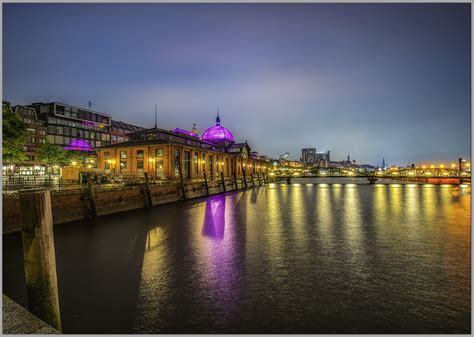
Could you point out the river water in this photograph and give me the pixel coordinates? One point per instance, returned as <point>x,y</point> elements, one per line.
<point>299,258</point>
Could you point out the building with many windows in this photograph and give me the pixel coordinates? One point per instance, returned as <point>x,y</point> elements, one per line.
<point>74,128</point>
<point>308,156</point>
<point>180,153</point>
<point>36,129</point>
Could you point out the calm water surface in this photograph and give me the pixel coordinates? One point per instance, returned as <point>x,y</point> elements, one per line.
<point>302,258</point>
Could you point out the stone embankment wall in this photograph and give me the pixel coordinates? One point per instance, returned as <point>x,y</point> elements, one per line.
<point>74,205</point>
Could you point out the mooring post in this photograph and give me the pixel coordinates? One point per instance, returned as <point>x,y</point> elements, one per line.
<point>251,177</point>
<point>235,182</point>
<point>245,178</point>
<point>264,179</point>
<point>91,195</point>
<point>181,179</point>
<point>36,220</point>
<point>206,185</point>
<point>147,191</point>
<point>258,178</point>
<point>223,181</point>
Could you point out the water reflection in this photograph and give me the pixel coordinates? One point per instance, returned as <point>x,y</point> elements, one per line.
<point>214,219</point>
<point>288,259</point>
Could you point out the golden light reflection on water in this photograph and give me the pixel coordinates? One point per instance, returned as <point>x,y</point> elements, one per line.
<point>412,206</point>
<point>429,209</point>
<point>298,216</point>
<point>395,200</point>
<point>324,214</point>
<point>274,240</point>
<point>155,277</point>
<point>353,223</point>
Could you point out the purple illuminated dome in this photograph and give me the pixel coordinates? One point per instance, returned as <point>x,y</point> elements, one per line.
<point>79,144</point>
<point>218,133</point>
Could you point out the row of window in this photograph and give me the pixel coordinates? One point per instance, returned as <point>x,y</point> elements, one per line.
<point>67,122</point>
<point>81,114</point>
<point>64,140</point>
<point>73,132</point>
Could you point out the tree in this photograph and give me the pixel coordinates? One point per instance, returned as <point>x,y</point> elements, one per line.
<point>50,154</point>
<point>15,136</point>
<point>75,157</point>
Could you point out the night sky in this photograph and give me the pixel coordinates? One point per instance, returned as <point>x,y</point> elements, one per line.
<point>369,80</point>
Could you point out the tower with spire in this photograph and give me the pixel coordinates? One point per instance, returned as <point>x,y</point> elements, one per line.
<point>383,162</point>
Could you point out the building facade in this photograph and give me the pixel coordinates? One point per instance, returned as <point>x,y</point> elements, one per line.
<point>74,128</point>
<point>179,153</point>
<point>36,129</point>
<point>308,156</point>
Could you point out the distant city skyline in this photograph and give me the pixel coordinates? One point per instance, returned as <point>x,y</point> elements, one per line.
<point>370,80</point>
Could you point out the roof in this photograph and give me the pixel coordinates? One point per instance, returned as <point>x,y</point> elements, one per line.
<point>71,106</point>
<point>218,133</point>
<point>128,128</point>
<point>134,143</point>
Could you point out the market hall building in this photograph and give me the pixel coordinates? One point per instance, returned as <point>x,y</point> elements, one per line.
<point>162,154</point>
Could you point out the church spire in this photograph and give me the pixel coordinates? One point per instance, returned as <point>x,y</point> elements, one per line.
<point>383,162</point>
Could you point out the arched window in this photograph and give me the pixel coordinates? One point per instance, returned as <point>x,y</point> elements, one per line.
<point>123,161</point>
<point>140,164</point>
<point>159,171</point>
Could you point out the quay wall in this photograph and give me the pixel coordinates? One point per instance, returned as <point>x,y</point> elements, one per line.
<point>73,205</point>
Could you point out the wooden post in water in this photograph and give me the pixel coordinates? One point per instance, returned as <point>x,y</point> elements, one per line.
<point>251,177</point>
<point>235,182</point>
<point>91,195</point>
<point>36,220</point>
<point>258,178</point>
<point>147,192</point>
<point>264,179</point>
<point>245,178</point>
<point>223,181</point>
<point>206,185</point>
<point>181,179</point>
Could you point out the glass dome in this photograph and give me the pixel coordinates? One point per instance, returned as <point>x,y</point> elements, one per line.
<point>218,133</point>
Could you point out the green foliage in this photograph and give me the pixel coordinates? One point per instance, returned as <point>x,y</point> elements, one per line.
<point>15,136</point>
<point>50,154</point>
<point>76,157</point>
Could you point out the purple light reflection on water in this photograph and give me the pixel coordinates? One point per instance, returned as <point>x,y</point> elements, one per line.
<point>79,144</point>
<point>214,219</point>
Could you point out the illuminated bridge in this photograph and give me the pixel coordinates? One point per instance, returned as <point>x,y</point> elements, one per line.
<point>420,174</point>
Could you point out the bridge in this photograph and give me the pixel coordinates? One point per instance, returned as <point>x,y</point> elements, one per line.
<point>418,174</point>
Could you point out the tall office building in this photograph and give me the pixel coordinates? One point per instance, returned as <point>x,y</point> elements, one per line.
<point>74,128</point>
<point>309,156</point>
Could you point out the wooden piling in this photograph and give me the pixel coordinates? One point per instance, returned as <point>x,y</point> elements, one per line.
<point>235,182</point>
<point>181,179</point>
<point>264,179</point>
<point>91,195</point>
<point>251,177</point>
<point>223,181</point>
<point>147,192</point>
<point>245,178</point>
<point>258,178</point>
<point>36,220</point>
<point>205,184</point>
